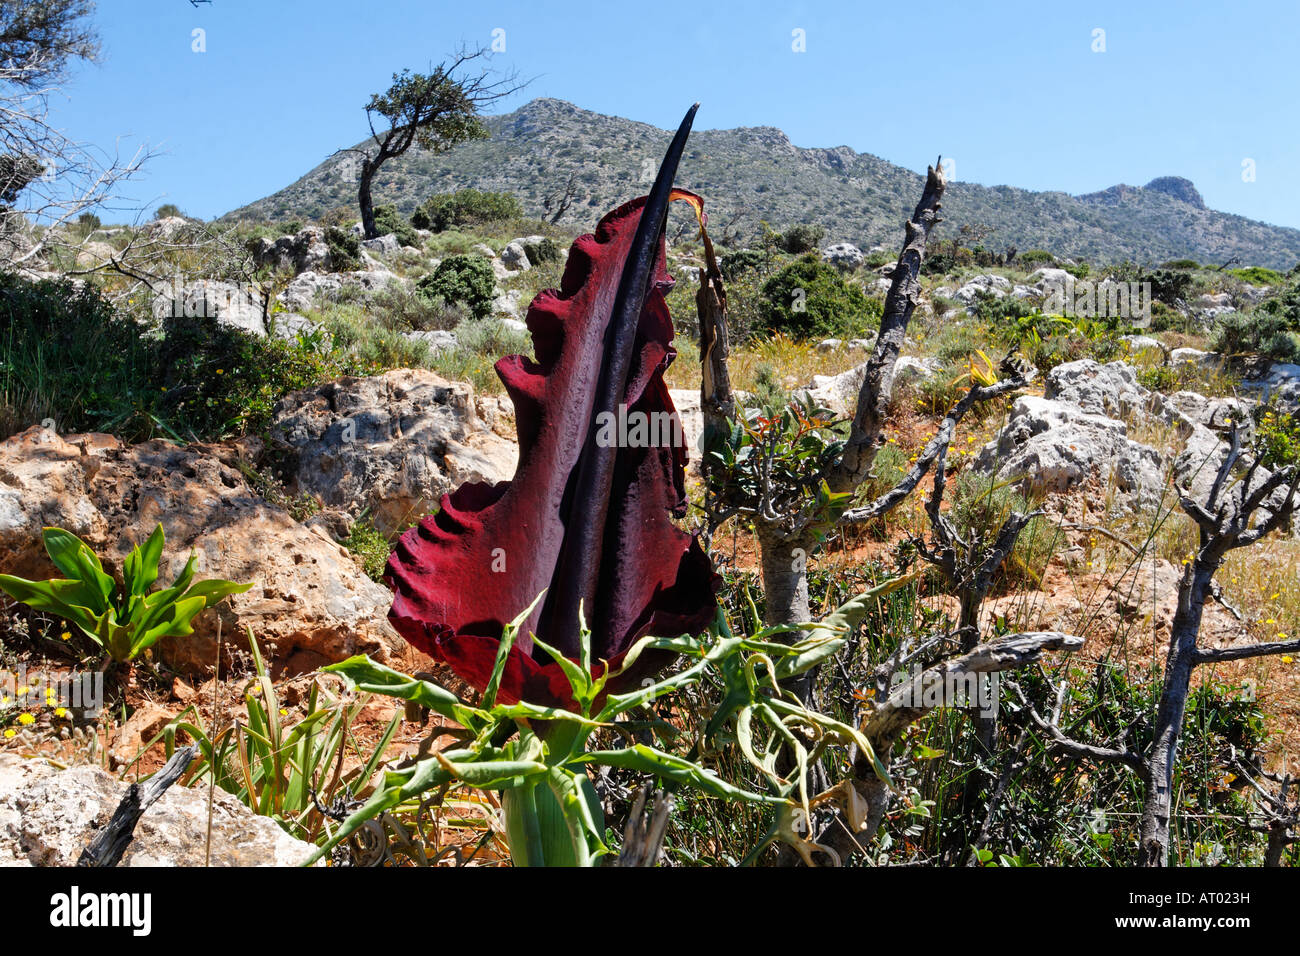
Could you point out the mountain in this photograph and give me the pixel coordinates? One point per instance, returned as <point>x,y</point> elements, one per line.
<point>756,173</point>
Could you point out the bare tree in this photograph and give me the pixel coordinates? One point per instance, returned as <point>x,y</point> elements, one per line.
<point>46,177</point>
<point>787,535</point>
<point>1236,514</point>
<point>557,203</point>
<point>433,111</point>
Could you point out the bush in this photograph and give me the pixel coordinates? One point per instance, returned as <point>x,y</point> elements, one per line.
<point>1277,433</point>
<point>490,338</point>
<point>218,381</point>
<point>1184,265</point>
<point>168,210</point>
<point>1168,285</point>
<point>810,299</point>
<point>88,222</point>
<point>938,264</point>
<point>68,356</point>
<point>733,264</point>
<point>1262,333</point>
<point>369,547</point>
<point>403,309</point>
<point>345,249</point>
<point>388,219</point>
<point>197,380</point>
<point>802,238</point>
<point>465,280</point>
<point>1258,275</point>
<point>544,251</point>
<point>1034,258</point>
<point>466,207</point>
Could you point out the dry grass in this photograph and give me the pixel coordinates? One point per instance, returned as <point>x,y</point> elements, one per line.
<point>794,362</point>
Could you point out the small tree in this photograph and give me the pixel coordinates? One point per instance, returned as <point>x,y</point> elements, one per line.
<point>433,111</point>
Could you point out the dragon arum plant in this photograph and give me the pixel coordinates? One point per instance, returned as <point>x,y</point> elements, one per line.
<point>123,619</point>
<point>538,755</point>
<point>562,594</point>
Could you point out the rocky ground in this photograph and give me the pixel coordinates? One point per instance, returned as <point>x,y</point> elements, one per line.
<point>1100,452</point>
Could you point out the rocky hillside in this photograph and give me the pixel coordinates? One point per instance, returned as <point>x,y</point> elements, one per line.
<point>754,174</point>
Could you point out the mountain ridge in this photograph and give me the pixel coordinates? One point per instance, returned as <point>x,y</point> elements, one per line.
<point>748,174</point>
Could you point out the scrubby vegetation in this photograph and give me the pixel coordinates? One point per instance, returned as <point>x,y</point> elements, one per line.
<point>994,794</point>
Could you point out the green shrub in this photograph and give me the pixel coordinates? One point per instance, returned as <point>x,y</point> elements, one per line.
<point>88,222</point>
<point>1168,285</point>
<point>1032,259</point>
<point>1277,432</point>
<point>69,357</point>
<point>544,251</point>
<point>388,219</point>
<point>1262,332</point>
<point>733,264</point>
<point>218,381</point>
<point>466,207</point>
<point>810,299</point>
<point>938,264</point>
<point>1002,314</point>
<point>1258,275</point>
<point>370,548</point>
<point>370,346</point>
<point>403,309</point>
<point>345,249</point>
<point>465,280</point>
<point>168,210</point>
<point>802,238</point>
<point>1185,265</point>
<point>1285,304</point>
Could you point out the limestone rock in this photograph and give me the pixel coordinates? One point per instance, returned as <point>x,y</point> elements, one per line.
<point>48,816</point>
<point>1054,447</point>
<point>310,603</point>
<point>389,446</point>
<point>843,255</point>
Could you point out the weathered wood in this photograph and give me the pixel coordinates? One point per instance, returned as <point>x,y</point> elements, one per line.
<point>643,837</point>
<point>900,707</point>
<point>107,848</point>
<point>900,302</point>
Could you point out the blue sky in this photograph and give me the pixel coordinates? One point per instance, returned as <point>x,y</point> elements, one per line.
<point>1013,92</point>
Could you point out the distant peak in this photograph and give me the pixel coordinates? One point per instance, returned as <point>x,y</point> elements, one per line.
<point>1177,187</point>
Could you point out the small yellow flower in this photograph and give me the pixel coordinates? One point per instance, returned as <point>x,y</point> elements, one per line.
<point>221,371</point>
<point>65,636</point>
<point>61,712</point>
<point>24,691</point>
<point>10,734</point>
<point>1288,659</point>
<point>283,712</point>
<point>26,719</point>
